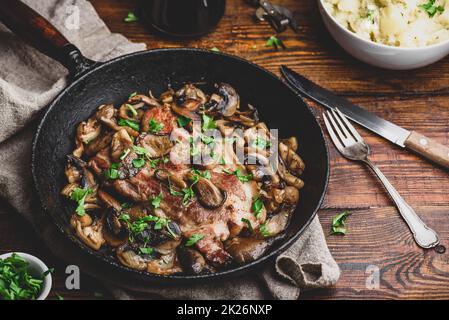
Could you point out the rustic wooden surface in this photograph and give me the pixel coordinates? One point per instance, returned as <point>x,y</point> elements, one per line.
<point>377,236</point>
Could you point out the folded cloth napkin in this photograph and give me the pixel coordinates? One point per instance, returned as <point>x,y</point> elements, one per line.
<point>30,80</point>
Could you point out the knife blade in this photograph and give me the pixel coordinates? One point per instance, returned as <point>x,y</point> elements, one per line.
<point>411,140</point>
<point>366,119</point>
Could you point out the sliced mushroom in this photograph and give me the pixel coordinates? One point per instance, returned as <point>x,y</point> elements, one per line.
<point>131,112</point>
<point>291,196</point>
<point>167,264</point>
<point>172,180</point>
<point>88,130</point>
<point>115,231</point>
<point>291,142</point>
<point>209,195</point>
<point>190,92</point>
<point>273,198</point>
<point>277,223</point>
<point>108,200</point>
<point>191,260</point>
<point>245,250</point>
<point>106,115</point>
<point>227,102</point>
<point>292,160</point>
<point>156,146</point>
<point>290,179</point>
<point>85,220</point>
<point>150,101</point>
<point>121,141</point>
<point>103,141</point>
<point>130,258</point>
<point>91,235</point>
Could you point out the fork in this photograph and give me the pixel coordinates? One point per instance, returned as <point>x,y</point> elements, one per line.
<point>351,145</point>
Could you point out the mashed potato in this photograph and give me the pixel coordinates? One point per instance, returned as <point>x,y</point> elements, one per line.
<point>402,23</point>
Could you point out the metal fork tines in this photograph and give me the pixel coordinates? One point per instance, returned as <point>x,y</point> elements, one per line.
<point>351,145</point>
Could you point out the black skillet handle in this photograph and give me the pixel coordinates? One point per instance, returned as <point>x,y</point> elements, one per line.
<point>41,34</point>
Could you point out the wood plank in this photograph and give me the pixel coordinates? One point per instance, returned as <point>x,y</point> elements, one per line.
<point>378,237</point>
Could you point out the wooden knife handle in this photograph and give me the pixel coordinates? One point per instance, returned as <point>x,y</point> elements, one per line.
<point>428,148</point>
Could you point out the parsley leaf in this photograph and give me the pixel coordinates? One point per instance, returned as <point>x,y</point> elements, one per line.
<point>146,250</point>
<point>194,239</point>
<point>208,123</point>
<point>430,8</point>
<point>131,17</point>
<point>239,175</point>
<point>215,49</point>
<point>138,162</point>
<point>112,173</point>
<point>274,42</point>
<point>263,229</point>
<point>79,195</point>
<point>129,123</point>
<point>125,154</point>
<point>132,95</point>
<point>132,109</point>
<point>338,223</point>
<point>183,121</point>
<point>248,223</point>
<point>156,201</point>
<point>155,127</point>
<point>261,143</point>
<point>257,206</point>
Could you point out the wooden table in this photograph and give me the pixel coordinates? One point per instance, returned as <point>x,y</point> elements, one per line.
<point>377,235</point>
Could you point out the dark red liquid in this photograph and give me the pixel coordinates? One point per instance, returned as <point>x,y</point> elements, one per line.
<point>183,17</point>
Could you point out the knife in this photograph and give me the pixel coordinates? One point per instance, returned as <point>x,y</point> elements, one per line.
<point>410,140</point>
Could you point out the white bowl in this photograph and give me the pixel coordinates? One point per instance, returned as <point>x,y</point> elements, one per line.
<point>37,268</point>
<point>380,55</point>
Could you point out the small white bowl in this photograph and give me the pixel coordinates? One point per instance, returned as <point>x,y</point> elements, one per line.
<point>380,55</point>
<point>37,268</point>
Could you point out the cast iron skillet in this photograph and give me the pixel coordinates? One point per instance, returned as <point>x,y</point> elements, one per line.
<point>111,82</point>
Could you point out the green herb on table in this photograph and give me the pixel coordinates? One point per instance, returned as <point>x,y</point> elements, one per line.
<point>275,43</point>
<point>215,49</point>
<point>79,195</point>
<point>257,206</point>
<point>194,239</point>
<point>131,17</point>
<point>338,223</point>
<point>155,127</point>
<point>183,121</point>
<point>129,123</point>
<point>16,282</point>
<point>430,8</point>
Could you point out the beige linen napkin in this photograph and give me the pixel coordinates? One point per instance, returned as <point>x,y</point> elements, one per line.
<point>29,81</point>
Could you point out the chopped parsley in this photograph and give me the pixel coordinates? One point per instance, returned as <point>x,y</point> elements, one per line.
<point>129,123</point>
<point>263,229</point>
<point>248,223</point>
<point>125,154</point>
<point>207,139</point>
<point>183,121</point>
<point>79,195</point>
<point>257,206</point>
<point>188,194</point>
<point>112,173</point>
<point>138,162</point>
<point>338,223</point>
<point>16,282</point>
<point>194,239</point>
<point>156,201</point>
<point>132,95</point>
<point>239,175</point>
<point>208,123</point>
<point>132,109</point>
<point>131,17</point>
<point>146,250</point>
<point>155,127</point>
<point>274,42</point>
<point>261,143</point>
<point>430,8</point>
<point>215,49</point>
